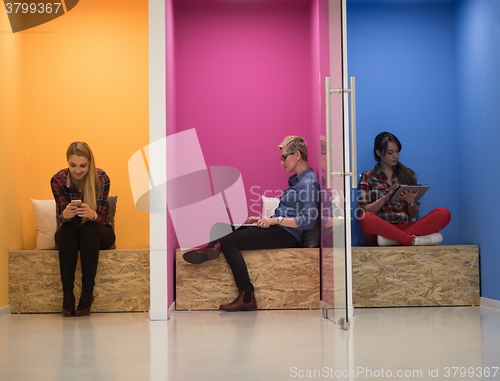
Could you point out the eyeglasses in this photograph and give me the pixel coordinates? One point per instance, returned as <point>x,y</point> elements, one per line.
<point>283,157</point>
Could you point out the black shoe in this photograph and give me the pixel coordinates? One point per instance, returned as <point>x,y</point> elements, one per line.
<point>202,255</point>
<point>85,304</point>
<point>68,304</point>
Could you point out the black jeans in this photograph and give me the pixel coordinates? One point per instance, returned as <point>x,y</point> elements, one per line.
<point>89,238</point>
<point>252,238</point>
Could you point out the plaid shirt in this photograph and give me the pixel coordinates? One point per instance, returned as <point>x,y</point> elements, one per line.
<point>64,191</point>
<point>375,184</point>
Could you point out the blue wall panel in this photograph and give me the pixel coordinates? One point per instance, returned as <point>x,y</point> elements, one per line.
<point>429,72</point>
<point>478,57</point>
<point>404,59</point>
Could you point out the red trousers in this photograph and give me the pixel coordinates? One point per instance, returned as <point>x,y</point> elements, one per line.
<point>372,225</point>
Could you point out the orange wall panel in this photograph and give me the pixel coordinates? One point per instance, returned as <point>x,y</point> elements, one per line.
<point>85,77</point>
<point>11,233</point>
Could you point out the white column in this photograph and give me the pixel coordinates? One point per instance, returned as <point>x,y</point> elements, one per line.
<point>157,160</point>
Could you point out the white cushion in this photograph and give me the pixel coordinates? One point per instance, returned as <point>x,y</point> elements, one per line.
<point>269,204</point>
<point>45,221</point>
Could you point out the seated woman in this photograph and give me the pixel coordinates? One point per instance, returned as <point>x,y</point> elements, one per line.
<point>388,222</point>
<point>81,195</point>
<point>297,212</point>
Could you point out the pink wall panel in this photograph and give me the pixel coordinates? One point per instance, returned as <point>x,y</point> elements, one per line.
<point>244,75</point>
<point>243,81</point>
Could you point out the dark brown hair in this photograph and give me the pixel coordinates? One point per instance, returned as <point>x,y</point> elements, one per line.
<point>405,175</point>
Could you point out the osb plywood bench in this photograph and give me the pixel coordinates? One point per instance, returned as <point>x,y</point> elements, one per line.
<point>401,276</point>
<point>122,281</point>
<point>283,279</point>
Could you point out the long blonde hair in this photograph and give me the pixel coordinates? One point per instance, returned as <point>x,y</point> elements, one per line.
<point>91,187</point>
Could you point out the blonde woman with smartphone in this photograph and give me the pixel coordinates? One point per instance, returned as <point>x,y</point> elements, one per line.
<point>81,195</point>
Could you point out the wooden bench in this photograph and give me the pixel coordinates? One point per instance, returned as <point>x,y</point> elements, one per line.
<point>394,276</point>
<point>402,276</point>
<point>283,279</point>
<point>122,281</point>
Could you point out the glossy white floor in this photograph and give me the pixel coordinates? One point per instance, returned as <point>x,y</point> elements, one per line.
<point>405,343</point>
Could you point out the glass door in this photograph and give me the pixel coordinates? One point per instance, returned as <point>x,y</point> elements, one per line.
<point>337,146</point>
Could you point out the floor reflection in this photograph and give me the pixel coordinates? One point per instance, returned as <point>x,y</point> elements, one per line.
<point>260,345</point>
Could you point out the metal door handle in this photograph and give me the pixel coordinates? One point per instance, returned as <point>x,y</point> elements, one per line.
<point>329,144</point>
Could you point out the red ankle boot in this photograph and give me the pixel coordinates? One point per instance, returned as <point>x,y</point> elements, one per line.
<point>239,304</point>
<point>204,254</point>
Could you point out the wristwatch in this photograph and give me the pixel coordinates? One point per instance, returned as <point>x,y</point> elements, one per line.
<point>280,218</point>
<point>412,203</point>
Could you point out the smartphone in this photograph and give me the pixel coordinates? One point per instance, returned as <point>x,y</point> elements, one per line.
<point>76,202</point>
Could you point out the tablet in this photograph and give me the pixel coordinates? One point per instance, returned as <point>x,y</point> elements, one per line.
<point>414,188</point>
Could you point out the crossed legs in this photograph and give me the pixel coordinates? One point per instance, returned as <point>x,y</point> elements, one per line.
<point>433,222</point>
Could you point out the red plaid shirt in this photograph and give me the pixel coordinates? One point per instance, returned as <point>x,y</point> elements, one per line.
<point>375,184</point>
<point>64,191</point>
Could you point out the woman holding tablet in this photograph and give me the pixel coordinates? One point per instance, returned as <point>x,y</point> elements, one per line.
<point>296,212</point>
<point>388,222</point>
<point>81,195</point>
